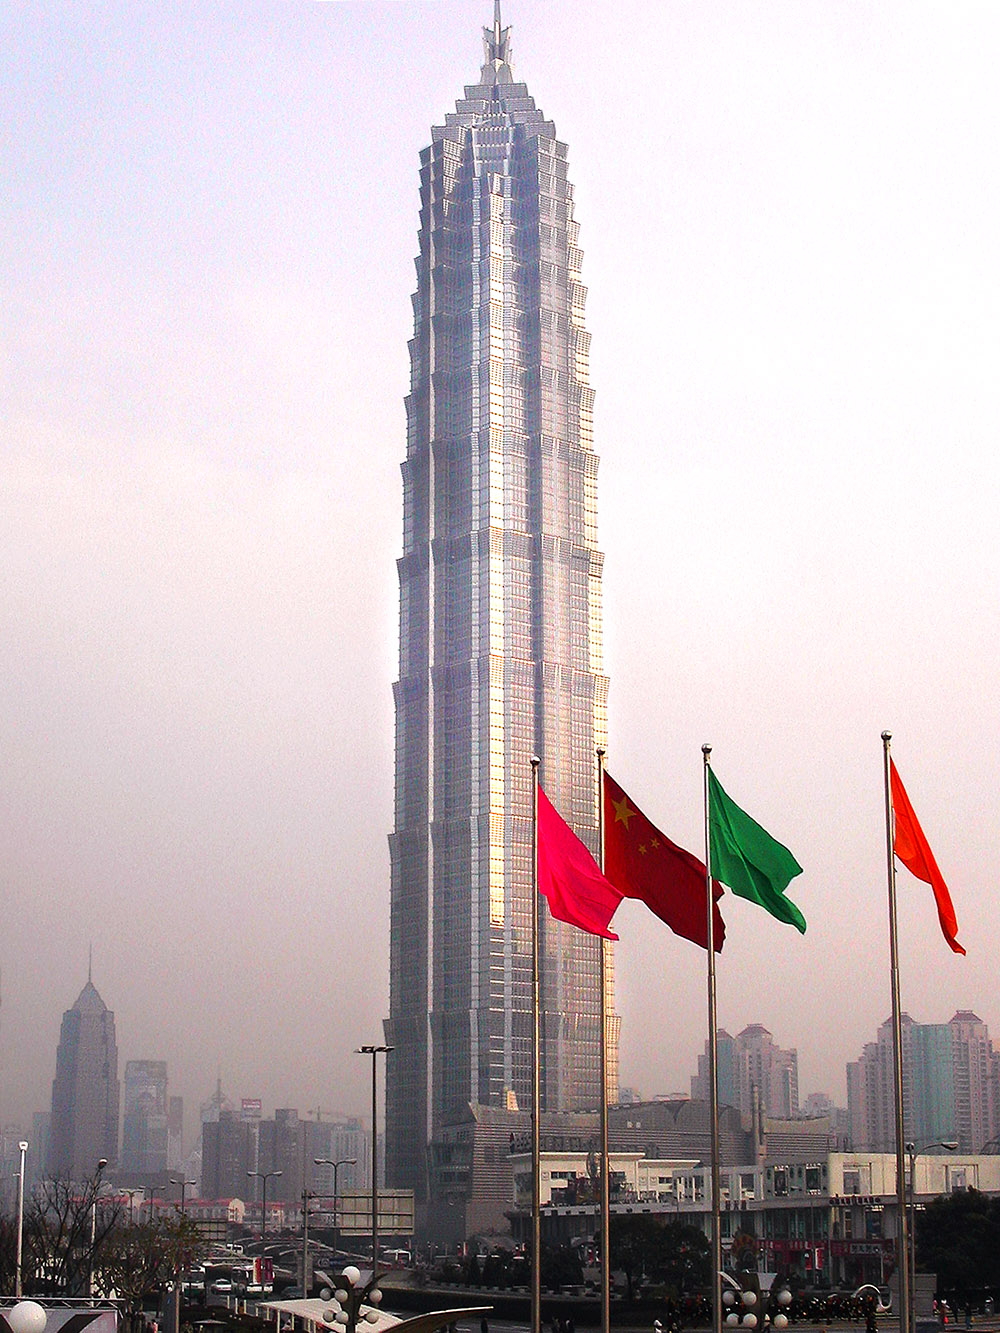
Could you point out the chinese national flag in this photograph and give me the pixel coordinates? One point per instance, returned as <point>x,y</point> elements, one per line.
<point>642,863</point>
<point>913,849</point>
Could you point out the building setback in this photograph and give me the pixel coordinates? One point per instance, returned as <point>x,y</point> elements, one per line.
<point>501,651</point>
<point>85,1090</point>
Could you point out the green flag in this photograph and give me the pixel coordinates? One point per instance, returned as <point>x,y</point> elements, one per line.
<point>748,859</point>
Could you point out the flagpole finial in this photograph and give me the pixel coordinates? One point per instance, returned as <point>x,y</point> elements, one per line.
<point>706,749</point>
<point>602,750</point>
<point>887,736</point>
<point>535,761</point>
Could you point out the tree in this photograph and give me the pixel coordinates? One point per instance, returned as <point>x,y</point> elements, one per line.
<point>635,1245</point>
<point>138,1259</point>
<point>672,1253</point>
<point>958,1237</point>
<point>686,1259</point>
<point>65,1227</point>
<point>561,1266</point>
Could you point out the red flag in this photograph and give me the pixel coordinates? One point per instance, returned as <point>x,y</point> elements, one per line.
<point>642,863</point>
<point>913,849</point>
<point>568,876</point>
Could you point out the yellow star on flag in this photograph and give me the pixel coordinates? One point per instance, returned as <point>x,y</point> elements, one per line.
<point>622,812</point>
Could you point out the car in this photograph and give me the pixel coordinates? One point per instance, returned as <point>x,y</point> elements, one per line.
<point>221,1287</point>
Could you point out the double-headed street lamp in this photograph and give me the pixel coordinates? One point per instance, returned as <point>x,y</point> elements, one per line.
<point>183,1184</point>
<point>340,1161</point>
<point>374,1052</point>
<point>263,1177</point>
<point>913,1152</point>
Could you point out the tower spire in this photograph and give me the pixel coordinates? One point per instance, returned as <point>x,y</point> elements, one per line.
<point>496,47</point>
<point>90,963</point>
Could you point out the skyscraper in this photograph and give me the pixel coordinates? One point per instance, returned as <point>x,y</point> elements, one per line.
<point>501,651</point>
<point>144,1126</point>
<point>85,1090</point>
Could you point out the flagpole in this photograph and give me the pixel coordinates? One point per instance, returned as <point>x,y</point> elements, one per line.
<point>605,1159</point>
<point>536,1082</point>
<point>902,1251</point>
<point>713,1079</point>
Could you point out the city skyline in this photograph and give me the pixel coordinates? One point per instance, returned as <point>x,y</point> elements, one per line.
<point>790,254</point>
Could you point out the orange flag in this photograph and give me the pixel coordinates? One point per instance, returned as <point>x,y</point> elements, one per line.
<point>913,849</point>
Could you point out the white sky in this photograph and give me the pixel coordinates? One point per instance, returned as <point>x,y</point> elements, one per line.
<point>789,220</point>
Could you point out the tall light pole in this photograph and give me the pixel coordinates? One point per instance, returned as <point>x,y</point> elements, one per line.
<point>374,1052</point>
<point>913,1152</point>
<point>263,1177</point>
<point>179,1291</point>
<point>102,1163</point>
<point>341,1161</point>
<point>22,1149</point>
<point>183,1184</point>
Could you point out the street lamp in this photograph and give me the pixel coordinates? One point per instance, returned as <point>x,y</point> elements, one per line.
<point>22,1148</point>
<point>345,1313</point>
<point>183,1184</point>
<point>341,1161</point>
<point>102,1163</point>
<point>374,1052</point>
<point>263,1177</point>
<point>913,1152</point>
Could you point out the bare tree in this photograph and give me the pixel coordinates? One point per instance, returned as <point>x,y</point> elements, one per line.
<point>138,1259</point>
<point>66,1225</point>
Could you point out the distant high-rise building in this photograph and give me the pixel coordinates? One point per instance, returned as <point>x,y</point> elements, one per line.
<point>175,1133</point>
<point>144,1123</point>
<point>754,1074</point>
<point>85,1091</point>
<point>501,652</point>
<point>726,1068</point>
<point>951,1085</point>
<point>37,1165</point>
<point>228,1153</point>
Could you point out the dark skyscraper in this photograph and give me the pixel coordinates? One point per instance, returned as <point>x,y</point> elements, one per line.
<point>500,628</point>
<point>85,1091</point>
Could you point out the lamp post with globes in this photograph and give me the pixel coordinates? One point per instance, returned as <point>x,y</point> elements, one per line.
<point>374,1052</point>
<point>913,1152</point>
<point>336,1164</point>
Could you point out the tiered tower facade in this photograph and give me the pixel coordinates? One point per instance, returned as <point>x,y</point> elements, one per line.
<point>501,651</point>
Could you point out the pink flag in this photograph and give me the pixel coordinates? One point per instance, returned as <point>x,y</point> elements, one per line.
<point>568,876</point>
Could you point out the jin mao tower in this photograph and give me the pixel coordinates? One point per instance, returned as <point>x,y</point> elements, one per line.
<point>501,651</point>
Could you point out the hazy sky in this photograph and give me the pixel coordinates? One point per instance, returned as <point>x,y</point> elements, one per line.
<point>789,215</point>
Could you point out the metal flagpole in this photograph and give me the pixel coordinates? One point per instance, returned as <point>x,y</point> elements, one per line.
<point>536,1133</point>
<point>605,1159</point>
<point>713,1078</point>
<point>902,1267</point>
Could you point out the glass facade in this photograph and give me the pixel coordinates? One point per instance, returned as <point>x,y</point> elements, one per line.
<point>500,649</point>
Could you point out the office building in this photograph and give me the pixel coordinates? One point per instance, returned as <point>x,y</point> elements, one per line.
<point>500,630</point>
<point>85,1091</point>
<point>144,1124</point>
